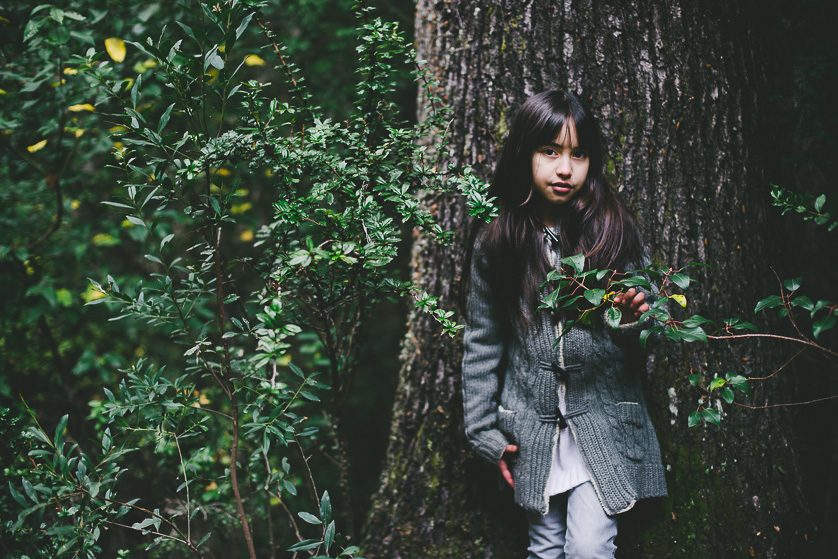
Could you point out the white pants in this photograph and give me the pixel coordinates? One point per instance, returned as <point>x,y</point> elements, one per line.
<point>576,527</point>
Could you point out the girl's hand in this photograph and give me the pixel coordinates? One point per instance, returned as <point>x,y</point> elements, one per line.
<point>632,305</point>
<point>504,467</point>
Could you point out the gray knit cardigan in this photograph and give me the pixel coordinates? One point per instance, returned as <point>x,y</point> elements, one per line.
<point>510,393</point>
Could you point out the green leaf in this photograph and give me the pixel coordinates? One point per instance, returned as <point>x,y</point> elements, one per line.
<point>635,281</point>
<point>727,394</point>
<point>740,383</point>
<point>644,336</point>
<point>696,320</point>
<point>803,302</point>
<point>717,382</point>
<point>577,262</point>
<point>329,538</point>
<point>820,305</point>
<point>32,27</point>
<point>819,202</point>
<point>296,370</point>
<point>144,524</point>
<point>613,316</point>
<point>307,516</point>
<point>594,296</point>
<point>793,284</point>
<point>135,91</point>
<point>243,25</point>
<point>305,545</point>
<point>29,490</point>
<point>17,496</point>
<point>711,416</point>
<point>59,430</point>
<point>40,435</point>
<point>325,507</point>
<point>681,280</point>
<point>694,419</point>
<point>694,378</point>
<point>746,326</point>
<point>691,334</point>
<point>165,118</point>
<point>823,324</point>
<point>769,303</point>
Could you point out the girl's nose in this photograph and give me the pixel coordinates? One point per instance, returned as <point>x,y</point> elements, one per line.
<point>563,166</point>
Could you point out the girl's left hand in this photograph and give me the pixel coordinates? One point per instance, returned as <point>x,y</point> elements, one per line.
<point>632,304</point>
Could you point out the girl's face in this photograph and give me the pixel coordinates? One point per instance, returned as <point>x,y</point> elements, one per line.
<point>559,170</point>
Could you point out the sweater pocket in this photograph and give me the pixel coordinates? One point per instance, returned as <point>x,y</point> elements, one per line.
<point>631,424</point>
<point>506,423</point>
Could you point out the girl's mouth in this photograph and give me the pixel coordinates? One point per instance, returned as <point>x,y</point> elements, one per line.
<point>560,188</point>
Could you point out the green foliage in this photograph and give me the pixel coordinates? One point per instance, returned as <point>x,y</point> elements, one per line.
<point>810,207</point>
<point>232,414</point>
<point>587,296</point>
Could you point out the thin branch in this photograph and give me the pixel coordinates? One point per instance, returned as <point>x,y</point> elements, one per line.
<point>186,485</point>
<point>783,366</point>
<point>308,470</point>
<point>767,406</point>
<point>777,337</point>
<point>167,536</point>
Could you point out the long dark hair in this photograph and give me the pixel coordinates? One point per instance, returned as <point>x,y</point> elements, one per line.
<point>595,222</point>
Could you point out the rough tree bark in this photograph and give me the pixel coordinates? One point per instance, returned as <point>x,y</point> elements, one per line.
<point>678,87</point>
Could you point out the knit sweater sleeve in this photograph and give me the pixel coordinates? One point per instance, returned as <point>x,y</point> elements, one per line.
<point>483,357</point>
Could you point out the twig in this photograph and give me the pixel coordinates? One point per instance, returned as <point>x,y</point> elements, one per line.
<point>783,366</point>
<point>765,407</point>
<point>777,337</point>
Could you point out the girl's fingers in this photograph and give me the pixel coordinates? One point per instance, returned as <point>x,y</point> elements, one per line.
<point>507,475</point>
<point>504,467</point>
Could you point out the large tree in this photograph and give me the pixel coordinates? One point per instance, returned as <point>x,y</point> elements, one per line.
<point>681,89</point>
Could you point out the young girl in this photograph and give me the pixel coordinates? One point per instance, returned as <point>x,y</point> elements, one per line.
<point>565,421</point>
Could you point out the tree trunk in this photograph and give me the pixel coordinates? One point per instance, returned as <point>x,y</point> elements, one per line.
<point>679,88</point>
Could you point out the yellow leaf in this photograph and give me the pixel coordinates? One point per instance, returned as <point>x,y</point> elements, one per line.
<point>680,299</point>
<point>36,147</point>
<point>104,240</point>
<point>247,236</point>
<point>83,107</point>
<point>241,208</point>
<point>254,60</point>
<point>91,294</point>
<point>79,132</point>
<point>116,48</point>
<point>70,71</point>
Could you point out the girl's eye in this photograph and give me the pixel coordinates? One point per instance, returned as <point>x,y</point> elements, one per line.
<point>580,154</point>
<point>548,151</point>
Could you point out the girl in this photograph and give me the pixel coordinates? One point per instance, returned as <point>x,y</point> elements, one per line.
<point>565,421</point>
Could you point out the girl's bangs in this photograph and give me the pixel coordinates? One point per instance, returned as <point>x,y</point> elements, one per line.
<point>550,126</point>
